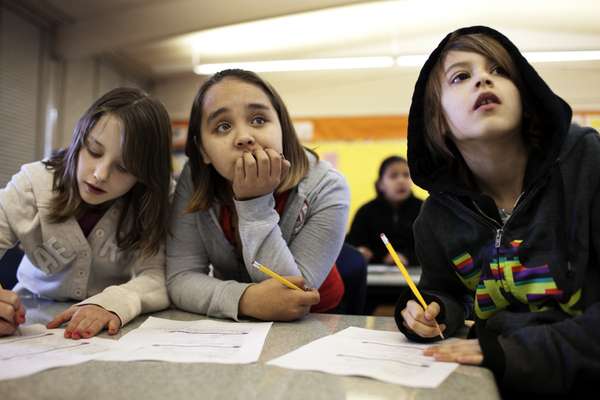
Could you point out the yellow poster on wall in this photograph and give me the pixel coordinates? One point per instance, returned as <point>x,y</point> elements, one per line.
<point>359,162</point>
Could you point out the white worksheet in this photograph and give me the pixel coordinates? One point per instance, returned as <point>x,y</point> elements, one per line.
<point>192,341</point>
<point>35,348</point>
<point>383,355</point>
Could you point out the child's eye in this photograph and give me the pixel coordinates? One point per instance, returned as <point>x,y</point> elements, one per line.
<point>223,127</point>
<point>93,153</point>
<point>498,70</point>
<point>461,76</point>
<point>258,121</point>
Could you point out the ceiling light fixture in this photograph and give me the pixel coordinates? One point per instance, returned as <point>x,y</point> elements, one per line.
<point>313,64</point>
<point>343,63</point>
<point>562,56</point>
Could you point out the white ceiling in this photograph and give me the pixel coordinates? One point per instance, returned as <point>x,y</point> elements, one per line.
<point>165,37</point>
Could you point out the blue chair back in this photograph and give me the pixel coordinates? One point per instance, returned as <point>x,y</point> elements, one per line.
<point>352,267</point>
<point>8,267</point>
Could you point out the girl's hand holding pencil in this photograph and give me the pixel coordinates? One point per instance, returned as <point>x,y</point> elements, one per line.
<point>418,318</point>
<point>420,321</point>
<point>12,312</point>
<point>280,298</point>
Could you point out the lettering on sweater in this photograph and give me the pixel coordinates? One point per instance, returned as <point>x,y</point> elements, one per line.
<point>109,247</point>
<point>51,254</point>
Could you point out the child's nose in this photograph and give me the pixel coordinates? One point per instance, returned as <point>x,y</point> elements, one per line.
<point>101,173</point>
<point>244,141</point>
<point>484,80</point>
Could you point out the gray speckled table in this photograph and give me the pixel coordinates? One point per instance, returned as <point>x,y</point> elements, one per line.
<point>161,380</point>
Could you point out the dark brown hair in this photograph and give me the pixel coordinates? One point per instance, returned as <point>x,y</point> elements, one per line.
<point>436,126</point>
<point>146,154</point>
<point>209,185</point>
<point>385,164</point>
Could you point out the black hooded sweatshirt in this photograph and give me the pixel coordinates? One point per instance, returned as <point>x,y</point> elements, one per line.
<point>532,284</point>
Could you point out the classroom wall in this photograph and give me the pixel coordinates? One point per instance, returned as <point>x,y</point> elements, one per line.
<point>177,94</point>
<point>359,162</point>
<point>83,82</point>
<point>21,64</point>
<point>42,96</point>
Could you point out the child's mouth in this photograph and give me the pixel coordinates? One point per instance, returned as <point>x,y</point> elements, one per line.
<point>486,100</point>
<point>93,189</point>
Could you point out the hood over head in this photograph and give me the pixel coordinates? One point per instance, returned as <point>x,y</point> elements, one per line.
<point>438,174</point>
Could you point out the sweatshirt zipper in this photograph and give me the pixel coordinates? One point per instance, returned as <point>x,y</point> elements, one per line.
<point>499,229</point>
<point>491,223</point>
<point>499,233</point>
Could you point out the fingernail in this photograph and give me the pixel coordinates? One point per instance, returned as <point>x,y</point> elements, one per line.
<point>75,335</point>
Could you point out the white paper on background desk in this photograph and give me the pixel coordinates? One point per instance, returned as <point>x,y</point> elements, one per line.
<point>382,355</point>
<point>37,348</point>
<point>192,341</point>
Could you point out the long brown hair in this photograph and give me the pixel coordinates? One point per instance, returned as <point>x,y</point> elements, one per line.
<point>209,185</point>
<point>436,126</point>
<point>147,135</point>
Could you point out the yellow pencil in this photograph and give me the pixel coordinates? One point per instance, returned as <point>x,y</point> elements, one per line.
<point>410,282</point>
<point>274,275</point>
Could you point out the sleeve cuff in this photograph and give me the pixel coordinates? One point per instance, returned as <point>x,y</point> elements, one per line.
<point>230,300</point>
<point>493,354</point>
<point>123,303</point>
<point>257,209</point>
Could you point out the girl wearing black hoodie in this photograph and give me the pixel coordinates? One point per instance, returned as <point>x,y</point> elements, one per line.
<point>392,212</point>
<point>510,234</point>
